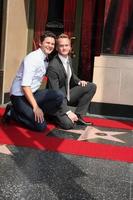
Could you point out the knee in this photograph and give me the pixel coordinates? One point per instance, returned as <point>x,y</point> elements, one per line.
<point>41,127</point>
<point>93,87</point>
<point>59,98</point>
<point>67,125</point>
<point>64,122</point>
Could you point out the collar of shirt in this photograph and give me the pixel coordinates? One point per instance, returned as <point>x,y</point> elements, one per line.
<point>42,54</point>
<point>43,58</point>
<point>63,59</point>
<point>64,62</point>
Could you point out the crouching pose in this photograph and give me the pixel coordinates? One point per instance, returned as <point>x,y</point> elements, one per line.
<point>28,103</point>
<point>61,77</point>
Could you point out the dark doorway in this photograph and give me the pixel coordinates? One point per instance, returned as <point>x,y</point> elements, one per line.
<point>55,19</point>
<point>55,16</point>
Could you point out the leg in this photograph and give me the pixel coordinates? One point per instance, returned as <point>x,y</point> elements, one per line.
<point>64,122</point>
<point>81,97</point>
<point>22,113</point>
<point>49,100</point>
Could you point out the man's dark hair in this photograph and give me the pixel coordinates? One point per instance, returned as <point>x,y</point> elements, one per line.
<point>47,34</point>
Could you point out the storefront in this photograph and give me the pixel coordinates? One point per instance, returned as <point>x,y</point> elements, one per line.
<point>101,32</point>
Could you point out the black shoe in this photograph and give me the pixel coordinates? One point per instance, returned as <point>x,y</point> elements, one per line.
<point>7,116</point>
<point>82,122</point>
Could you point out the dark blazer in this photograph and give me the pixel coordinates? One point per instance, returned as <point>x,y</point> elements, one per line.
<point>57,78</point>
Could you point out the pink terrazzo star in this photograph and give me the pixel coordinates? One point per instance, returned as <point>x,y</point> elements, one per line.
<point>93,133</point>
<point>5,150</point>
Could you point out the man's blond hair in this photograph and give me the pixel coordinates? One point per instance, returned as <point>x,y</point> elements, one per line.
<point>63,35</point>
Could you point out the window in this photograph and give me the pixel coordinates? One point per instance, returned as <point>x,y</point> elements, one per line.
<point>118,27</point>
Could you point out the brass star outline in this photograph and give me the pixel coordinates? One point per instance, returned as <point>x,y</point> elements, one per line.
<point>93,133</point>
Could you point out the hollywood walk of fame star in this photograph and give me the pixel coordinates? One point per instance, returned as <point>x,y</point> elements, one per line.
<point>93,133</point>
<point>5,150</point>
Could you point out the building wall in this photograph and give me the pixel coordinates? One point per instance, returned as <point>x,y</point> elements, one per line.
<point>15,39</point>
<point>112,74</point>
<point>114,78</point>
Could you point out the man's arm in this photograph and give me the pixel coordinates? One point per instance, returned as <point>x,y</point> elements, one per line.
<point>53,83</point>
<point>53,80</point>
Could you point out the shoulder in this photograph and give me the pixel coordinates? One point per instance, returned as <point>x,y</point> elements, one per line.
<point>33,53</point>
<point>55,62</point>
<point>54,67</point>
<point>32,57</point>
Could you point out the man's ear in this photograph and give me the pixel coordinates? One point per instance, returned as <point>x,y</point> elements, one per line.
<point>39,44</point>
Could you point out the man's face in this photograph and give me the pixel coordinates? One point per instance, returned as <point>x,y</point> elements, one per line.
<point>48,45</point>
<point>63,46</point>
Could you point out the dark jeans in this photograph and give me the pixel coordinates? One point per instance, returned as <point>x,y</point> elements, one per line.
<point>22,112</point>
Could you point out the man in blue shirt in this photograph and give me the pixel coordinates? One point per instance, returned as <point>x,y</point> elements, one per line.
<point>29,104</point>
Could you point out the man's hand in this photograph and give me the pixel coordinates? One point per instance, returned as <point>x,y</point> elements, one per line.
<point>39,116</point>
<point>82,83</point>
<point>72,116</point>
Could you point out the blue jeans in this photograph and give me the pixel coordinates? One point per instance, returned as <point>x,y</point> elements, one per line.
<point>22,112</point>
